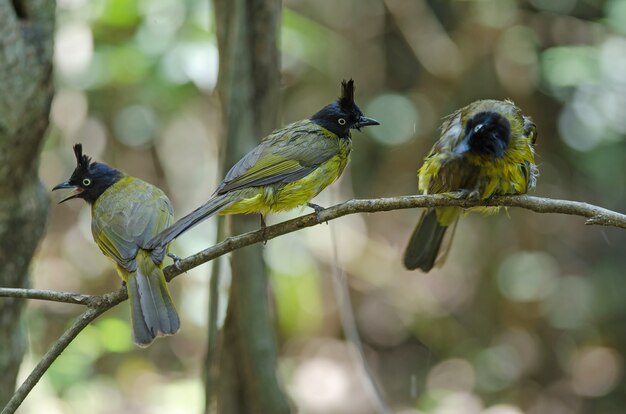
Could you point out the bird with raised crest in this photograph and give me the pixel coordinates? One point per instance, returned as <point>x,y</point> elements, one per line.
<point>126,213</point>
<point>287,169</point>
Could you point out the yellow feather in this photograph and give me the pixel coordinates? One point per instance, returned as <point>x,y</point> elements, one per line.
<point>479,171</point>
<point>268,199</point>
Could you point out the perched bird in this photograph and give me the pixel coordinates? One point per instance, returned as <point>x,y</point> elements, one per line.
<point>126,213</point>
<point>485,149</point>
<point>287,169</point>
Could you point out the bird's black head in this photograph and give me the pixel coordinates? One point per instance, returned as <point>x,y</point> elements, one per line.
<point>89,179</point>
<point>487,133</point>
<point>341,116</point>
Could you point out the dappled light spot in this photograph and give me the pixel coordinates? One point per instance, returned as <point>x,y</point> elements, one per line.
<point>93,135</point>
<point>613,59</point>
<point>380,323</point>
<point>580,134</point>
<point>84,256</point>
<point>115,334</point>
<point>549,401</point>
<point>516,60</point>
<point>164,16</point>
<point>73,49</point>
<point>398,117</point>
<point>497,367</point>
<point>502,409</point>
<point>91,396</point>
<point>451,375</point>
<point>527,348</point>
<point>195,62</point>
<point>321,385</point>
<point>135,125</point>
<point>595,370</point>
<point>69,110</point>
<point>528,276</point>
<point>570,65</point>
<point>518,44</point>
<point>455,403</point>
<point>295,281</point>
<point>615,11</point>
<point>570,306</point>
<point>495,13</point>
<point>118,13</point>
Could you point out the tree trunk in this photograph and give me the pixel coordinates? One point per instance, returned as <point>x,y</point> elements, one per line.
<point>248,85</point>
<point>26,88</point>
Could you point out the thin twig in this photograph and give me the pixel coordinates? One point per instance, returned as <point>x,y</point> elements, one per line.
<point>51,295</point>
<point>98,304</point>
<point>95,309</point>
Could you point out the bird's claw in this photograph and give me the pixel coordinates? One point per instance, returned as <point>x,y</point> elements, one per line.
<point>457,195</point>
<point>318,211</point>
<point>474,195</point>
<point>177,260</point>
<point>471,195</point>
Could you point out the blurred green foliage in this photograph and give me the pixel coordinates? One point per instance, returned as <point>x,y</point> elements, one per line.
<point>527,315</point>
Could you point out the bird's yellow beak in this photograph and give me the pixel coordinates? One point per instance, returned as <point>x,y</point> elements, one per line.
<point>72,194</point>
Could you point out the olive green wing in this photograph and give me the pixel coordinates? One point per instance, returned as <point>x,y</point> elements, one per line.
<point>126,217</point>
<point>284,156</point>
<point>447,172</point>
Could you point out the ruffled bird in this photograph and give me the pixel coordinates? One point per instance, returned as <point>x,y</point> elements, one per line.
<point>485,149</point>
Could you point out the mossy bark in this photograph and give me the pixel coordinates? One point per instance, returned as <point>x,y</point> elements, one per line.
<point>26,88</point>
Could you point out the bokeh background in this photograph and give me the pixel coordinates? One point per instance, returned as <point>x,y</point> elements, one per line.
<point>527,316</point>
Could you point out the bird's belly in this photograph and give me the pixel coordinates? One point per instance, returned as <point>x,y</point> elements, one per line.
<point>489,177</point>
<point>283,197</point>
<point>297,193</point>
<point>251,200</point>
<point>502,178</point>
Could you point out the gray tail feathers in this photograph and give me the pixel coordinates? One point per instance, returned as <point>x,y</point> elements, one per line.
<point>425,242</point>
<point>152,311</point>
<point>206,210</point>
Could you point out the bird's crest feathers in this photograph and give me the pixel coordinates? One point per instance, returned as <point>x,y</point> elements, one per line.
<point>82,161</point>
<point>346,100</point>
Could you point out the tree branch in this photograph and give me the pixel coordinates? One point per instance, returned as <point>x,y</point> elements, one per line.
<point>98,304</point>
<point>594,214</point>
<point>50,295</point>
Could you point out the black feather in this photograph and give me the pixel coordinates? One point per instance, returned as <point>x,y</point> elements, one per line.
<point>423,247</point>
<point>82,161</point>
<point>346,100</point>
<point>344,108</point>
<point>100,176</point>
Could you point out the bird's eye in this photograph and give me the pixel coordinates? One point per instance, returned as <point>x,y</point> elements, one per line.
<point>478,127</point>
<point>86,182</point>
<point>341,121</point>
